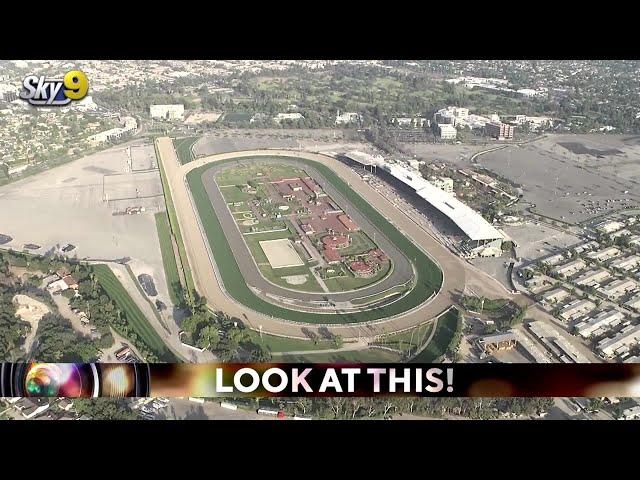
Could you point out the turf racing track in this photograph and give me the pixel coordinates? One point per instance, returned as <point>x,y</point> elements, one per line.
<point>218,278</point>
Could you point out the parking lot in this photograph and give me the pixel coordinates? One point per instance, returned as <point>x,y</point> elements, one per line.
<point>67,205</point>
<point>536,240</point>
<point>572,186</point>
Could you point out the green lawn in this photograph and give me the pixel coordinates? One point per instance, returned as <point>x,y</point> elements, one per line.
<point>379,296</point>
<point>407,340</point>
<point>429,276</point>
<point>175,228</point>
<point>183,147</point>
<point>168,258</point>
<point>135,318</point>
<point>233,194</point>
<point>360,243</point>
<point>350,282</point>
<point>236,117</point>
<point>371,355</point>
<point>282,344</point>
<point>438,345</point>
<point>259,172</point>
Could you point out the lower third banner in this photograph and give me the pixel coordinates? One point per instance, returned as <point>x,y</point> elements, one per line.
<point>317,380</point>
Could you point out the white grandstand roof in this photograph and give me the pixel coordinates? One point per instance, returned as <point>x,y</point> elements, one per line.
<point>467,219</point>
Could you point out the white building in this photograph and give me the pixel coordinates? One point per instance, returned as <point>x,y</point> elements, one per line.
<point>576,309</point>
<point>130,127</point>
<point>167,112</point>
<point>632,413</point>
<point>628,336</point>
<point>604,255</point>
<point>609,227</point>
<point>592,277</point>
<point>412,122</point>
<point>570,268</point>
<point>347,117</point>
<point>288,117</point>
<point>587,247</point>
<point>606,319</point>
<point>619,288</point>
<point>554,259</point>
<point>529,92</point>
<point>634,240</point>
<point>621,233</point>
<point>555,296</point>
<point>447,131</point>
<point>633,303</point>
<point>470,222</point>
<point>626,263</point>
<point>535,123</point>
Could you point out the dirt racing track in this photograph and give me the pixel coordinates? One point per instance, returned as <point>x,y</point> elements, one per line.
<point>435,295</point>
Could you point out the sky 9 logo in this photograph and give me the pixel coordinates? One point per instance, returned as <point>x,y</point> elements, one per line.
<point>55,92</point>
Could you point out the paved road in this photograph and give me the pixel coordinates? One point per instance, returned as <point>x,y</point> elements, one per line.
<point>402,270</point>
<point>454,269</point>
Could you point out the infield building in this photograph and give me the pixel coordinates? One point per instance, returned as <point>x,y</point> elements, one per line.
<point>477,236</point>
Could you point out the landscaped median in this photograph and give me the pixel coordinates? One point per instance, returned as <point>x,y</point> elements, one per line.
<point>428,275</point>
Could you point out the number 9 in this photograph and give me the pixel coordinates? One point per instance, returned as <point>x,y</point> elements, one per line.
<point>76,84</point>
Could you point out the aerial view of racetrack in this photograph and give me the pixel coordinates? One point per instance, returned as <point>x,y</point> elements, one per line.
<point>402,272</point>
<point>210,284</point>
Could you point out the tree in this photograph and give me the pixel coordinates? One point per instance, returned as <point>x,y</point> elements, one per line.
<point>209,337</point>
<point>104,408</point>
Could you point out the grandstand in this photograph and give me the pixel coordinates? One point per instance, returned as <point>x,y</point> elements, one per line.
<point>478,234</point>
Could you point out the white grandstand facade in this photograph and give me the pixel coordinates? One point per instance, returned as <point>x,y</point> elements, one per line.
<point>481,238</point>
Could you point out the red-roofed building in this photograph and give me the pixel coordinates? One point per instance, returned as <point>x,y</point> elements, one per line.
<point>331,255</point>
<point>362,269</point>
<point>336,241</point>
<point>348,223</point>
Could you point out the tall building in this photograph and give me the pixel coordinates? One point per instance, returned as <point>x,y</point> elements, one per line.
<point>8,93</point>
<point>447,131</point>
<point>501,131</point>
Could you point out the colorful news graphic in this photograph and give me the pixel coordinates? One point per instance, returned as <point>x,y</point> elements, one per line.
<point>318,380</point>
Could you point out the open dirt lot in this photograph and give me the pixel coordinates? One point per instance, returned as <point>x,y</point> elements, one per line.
<point>66,205</point>
<point>560,174</point>
<point>31,311</point>
<point>143,157</point>
<point>281,253</point>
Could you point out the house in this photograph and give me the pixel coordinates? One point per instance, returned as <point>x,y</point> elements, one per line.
<point>554,296</point>
<point>576,309</point>
<point>70,282</point>
<point>57,286</point>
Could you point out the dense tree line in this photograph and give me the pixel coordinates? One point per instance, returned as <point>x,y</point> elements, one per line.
<point>104,408</point>
<point>342,408</point>
<point>12,329</point>
<point>225,336</point>
<point>57,341</point>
